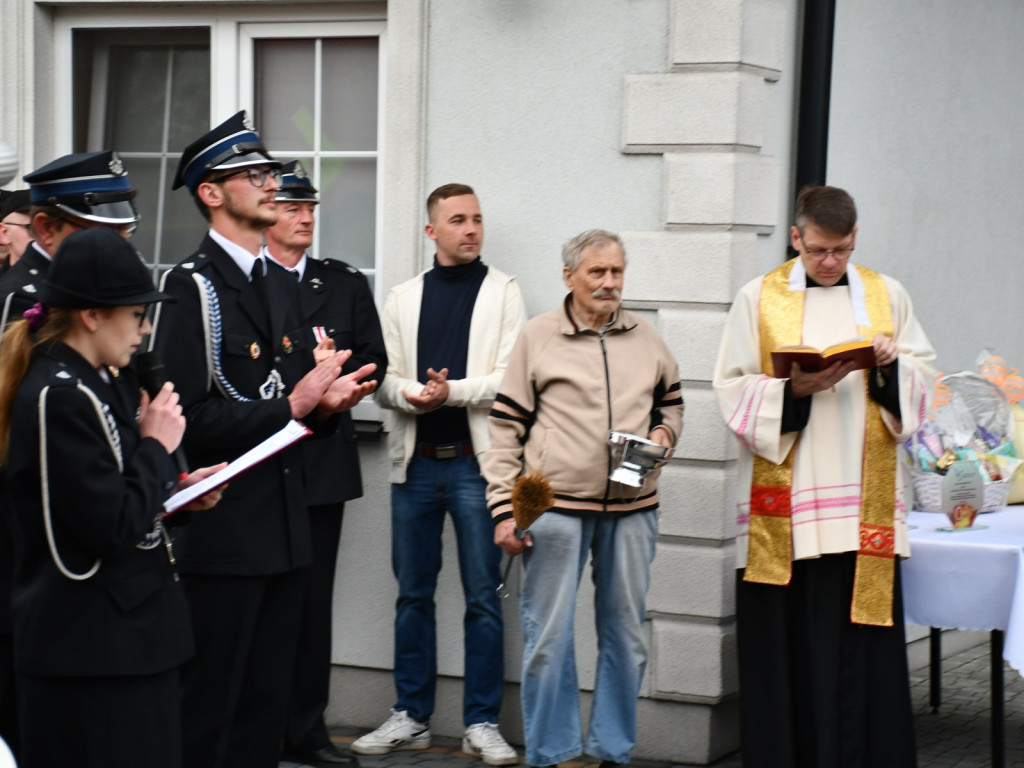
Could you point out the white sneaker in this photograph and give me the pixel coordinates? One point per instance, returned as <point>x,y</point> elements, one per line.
<point>485,740</point>
<point>399,732</point>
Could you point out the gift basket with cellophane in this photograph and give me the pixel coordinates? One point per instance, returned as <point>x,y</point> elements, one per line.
<point>969,420</point>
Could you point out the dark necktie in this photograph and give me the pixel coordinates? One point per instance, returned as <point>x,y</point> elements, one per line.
<point>259,282</point>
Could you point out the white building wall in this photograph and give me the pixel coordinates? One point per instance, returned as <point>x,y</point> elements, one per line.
<point>924,134</point>
<point>668,121</point>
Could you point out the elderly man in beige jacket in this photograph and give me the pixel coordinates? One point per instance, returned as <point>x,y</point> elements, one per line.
<point>576,373</point>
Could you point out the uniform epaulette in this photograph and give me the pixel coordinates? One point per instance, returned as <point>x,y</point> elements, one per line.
<point>194,263</point>
<point>60,376</point>
<point>340,266</point>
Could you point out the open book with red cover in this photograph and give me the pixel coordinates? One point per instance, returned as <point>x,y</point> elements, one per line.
<point>861,352</point>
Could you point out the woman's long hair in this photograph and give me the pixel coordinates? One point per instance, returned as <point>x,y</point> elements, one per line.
<point>16,348</point>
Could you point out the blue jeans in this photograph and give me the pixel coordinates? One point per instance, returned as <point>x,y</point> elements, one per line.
<point>418,506</point>
<point>622,550</point>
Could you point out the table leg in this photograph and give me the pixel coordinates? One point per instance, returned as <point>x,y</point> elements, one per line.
<point>935,668</point>
<point>996,669</point>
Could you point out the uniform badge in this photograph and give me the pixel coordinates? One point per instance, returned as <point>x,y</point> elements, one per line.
<point>316,282</point>
<point>63,375</point>
<point>115,165</point>
<point>33,271</point>
<point>188,265</point>
<point>286,345</point>
<point>28,288</point>
<point>254,351</point>
<point>114,370</point>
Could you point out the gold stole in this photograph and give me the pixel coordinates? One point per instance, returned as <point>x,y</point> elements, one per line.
<point>770,548</point>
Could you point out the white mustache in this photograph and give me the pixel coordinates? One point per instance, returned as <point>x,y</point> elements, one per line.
<point>600,294</point>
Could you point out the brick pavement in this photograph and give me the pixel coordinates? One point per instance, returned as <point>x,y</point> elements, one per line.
<point>956,737</point>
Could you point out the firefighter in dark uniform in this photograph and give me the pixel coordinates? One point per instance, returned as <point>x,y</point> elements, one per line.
<point>101,625</point>
<point>73,192</point>
<point>70,193</point>
<point>337,305</point>
<point>232,345</point>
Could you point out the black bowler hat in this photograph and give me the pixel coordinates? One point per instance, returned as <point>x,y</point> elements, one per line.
<point>231,145</point>
<point>295,184</point>
<point>14,202</point>
<point>98,268</point>
<point>90,185</point>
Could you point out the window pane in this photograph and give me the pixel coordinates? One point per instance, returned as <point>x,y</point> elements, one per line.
<point>348,210</point>
<point>144,173</point>
<point>184,226</point>
<point>284,93</point>
<point>350,94</point>
<point>138,87</point>
<point>190,96</point>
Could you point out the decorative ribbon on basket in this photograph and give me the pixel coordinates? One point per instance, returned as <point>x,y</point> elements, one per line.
<point>1009,380</point>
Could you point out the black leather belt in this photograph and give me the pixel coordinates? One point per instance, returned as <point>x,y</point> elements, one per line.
<point>450,451</point>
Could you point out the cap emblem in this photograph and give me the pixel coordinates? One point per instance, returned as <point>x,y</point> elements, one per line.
<point>247,123</point>
<point>115,165</point>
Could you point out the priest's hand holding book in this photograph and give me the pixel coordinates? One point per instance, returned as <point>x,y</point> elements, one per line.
<point>807,376</point>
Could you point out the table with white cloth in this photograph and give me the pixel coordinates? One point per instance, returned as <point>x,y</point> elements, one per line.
<point>970,579</point>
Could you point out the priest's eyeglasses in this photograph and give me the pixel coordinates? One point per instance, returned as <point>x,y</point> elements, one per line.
<point>257,176</point>
<point>839,254</point>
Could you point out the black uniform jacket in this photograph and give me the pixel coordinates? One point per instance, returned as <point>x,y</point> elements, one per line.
<point>337,298</point>
<point>130,617</point>
<point>21,282</point>
<point>17,293</point>
<point>260,527</point>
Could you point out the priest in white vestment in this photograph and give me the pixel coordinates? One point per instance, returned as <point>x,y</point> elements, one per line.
<point>821,514</point>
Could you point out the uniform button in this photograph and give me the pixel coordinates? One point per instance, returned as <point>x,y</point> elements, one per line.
<point>277,359</point>
<point>287,471</point>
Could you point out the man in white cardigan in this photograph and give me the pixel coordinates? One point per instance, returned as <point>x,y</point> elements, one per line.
<point>449,333</point>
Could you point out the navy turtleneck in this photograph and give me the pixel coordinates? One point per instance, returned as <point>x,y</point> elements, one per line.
<point>449,295</point>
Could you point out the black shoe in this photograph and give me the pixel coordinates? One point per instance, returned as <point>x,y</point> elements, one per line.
<point>325,757</point>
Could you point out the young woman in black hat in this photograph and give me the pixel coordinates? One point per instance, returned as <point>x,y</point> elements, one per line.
<point>101,626</point>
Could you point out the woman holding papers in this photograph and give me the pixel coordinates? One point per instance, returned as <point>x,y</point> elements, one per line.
<point>100,623</point>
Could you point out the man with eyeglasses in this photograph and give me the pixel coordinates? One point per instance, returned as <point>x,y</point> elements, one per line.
<point>78,191</point>
<point>15,227</point>
<point>821,513</point>
<point>337,304</point>
<point>235,348</point>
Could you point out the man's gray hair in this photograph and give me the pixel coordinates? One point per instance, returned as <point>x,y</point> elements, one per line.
<point>572,251</point>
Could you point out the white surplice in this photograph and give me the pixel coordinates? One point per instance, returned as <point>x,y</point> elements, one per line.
<point>829,452</point>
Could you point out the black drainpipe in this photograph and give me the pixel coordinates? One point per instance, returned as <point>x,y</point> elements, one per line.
<point>815,92</point>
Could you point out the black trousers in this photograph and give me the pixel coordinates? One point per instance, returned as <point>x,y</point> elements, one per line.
<point>817,691</point>
<point>8,695</point>
<point>311,680</point>
<point>235,689</point>
<point>101,722</point>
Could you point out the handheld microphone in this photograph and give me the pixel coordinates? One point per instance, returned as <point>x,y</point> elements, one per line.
<point>153,378</point>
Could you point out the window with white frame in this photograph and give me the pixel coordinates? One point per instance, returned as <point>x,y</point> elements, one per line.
<point>315,100</point>
<point>146,94</point>
<point>312,89</point>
